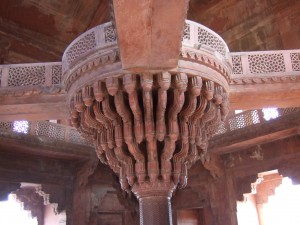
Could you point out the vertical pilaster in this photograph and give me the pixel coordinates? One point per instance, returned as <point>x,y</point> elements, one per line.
<point>223,201</point>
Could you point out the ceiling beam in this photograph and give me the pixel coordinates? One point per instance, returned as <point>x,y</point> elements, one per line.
<point>43,106</point>
<point>44,146</point>
<point>33,107</point>
<point>149,33</point>
<point>258,96</point>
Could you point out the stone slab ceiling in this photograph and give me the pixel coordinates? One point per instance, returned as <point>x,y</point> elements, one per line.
<point>40,30</point>
<point>251,25</point>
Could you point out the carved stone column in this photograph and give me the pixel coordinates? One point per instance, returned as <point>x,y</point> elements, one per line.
<point>148,126</point>
<point>154,202</point>
<point>155,210</point>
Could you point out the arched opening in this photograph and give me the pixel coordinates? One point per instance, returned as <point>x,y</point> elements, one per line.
<point>274,200</point>
<point>30,205</point>
<point>12,212</point>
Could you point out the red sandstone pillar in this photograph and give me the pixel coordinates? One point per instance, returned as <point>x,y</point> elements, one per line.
<point>155,210</point>
<point>155,201</point>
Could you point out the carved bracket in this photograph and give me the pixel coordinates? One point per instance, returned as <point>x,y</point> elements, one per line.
<point>32,202</point>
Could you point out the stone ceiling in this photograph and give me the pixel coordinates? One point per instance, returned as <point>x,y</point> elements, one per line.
<point>40,30</point>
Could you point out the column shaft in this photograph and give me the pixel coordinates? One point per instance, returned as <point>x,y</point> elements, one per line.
<point>155,210</point>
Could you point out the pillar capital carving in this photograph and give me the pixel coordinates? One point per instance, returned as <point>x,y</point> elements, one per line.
<point>148,189</point>
<point>149,126</point>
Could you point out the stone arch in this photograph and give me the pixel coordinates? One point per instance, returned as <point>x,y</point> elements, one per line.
<point>37,198</point>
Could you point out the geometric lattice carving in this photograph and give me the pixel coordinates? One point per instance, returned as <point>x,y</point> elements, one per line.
<point>295,59</point>
<point>56,74</point>
<point>249,118</point>
<point>109,34</point>
<point>84,44</point>
<point>48,130</point>
<point>244,119</point>
<point>208,39</point>
<point>75,137</point>
<point>222,129</point>
<point>186,32</point>
<point>237,67</point>
<point>30,75</point>
<point>266,63</point>
<point>7,126</point>
<point>285,111</point>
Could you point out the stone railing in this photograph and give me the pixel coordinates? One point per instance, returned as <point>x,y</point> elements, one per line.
<point>198,36</point>
<point>33,74</point>
<point>248,118</point>
<point>99,37</point>
<point>59,132</point>
<point>265,66</point>
<point>247,67</point>
<point>46,129</point>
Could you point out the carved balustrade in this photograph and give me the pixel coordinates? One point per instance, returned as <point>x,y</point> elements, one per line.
<point>247,67</point>
<point>198,36</point>
<point>59,132</point>
<point>249,118</point>
<point>30,75</point>
<point>100,38</point>
<point>45,129</point>
<point>265,66</point>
